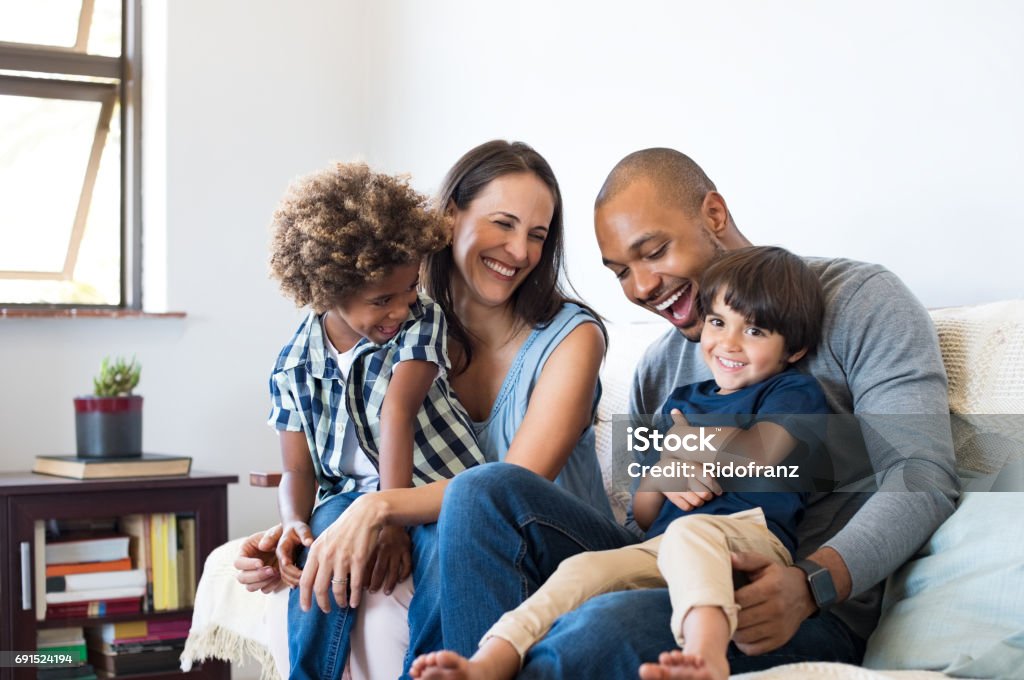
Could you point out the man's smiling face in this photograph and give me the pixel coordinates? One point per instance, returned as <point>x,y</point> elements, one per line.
<point>658,251</point>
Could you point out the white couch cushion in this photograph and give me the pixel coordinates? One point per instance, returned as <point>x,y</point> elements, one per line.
<point>626,344</point>
<point>958,606</point>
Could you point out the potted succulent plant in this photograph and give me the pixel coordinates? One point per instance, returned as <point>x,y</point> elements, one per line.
<point>108,424</point>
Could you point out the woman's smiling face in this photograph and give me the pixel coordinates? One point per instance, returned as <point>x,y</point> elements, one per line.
<point>497,240</point>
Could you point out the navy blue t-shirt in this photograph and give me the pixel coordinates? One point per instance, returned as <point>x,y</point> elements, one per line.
<point>781,399</point>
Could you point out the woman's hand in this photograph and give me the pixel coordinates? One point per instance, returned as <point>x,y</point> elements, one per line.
<point>257,562</point>
<point>338,557</point>
<point>293,536</point>
<point>392,561</point>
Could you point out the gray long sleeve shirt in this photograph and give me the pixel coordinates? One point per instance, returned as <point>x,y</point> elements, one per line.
<point>879,355</point>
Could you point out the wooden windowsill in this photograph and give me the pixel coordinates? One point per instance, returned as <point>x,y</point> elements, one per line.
<point>84,313</point>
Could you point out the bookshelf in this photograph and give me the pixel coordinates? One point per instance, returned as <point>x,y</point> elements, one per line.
<point>26,498</point>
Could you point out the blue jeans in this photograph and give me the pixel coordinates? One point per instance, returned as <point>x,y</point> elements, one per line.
<point>635,624</point>
<point>318,643</point>
<point>425,607</point>
<point>503,530</point>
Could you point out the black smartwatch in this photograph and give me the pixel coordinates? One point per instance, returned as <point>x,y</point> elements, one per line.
<point>820,582</point>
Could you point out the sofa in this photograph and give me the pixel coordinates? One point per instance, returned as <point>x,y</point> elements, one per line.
<point>955,609</point>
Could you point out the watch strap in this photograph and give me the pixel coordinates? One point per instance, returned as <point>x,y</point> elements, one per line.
<point>819,580</point>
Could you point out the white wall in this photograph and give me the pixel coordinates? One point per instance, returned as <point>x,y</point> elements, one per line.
<point>881,131</point>
<point>875,130</point>
<point>256,93</point>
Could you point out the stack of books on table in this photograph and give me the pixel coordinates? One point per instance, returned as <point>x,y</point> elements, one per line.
<point>69,641</point>
<point>145,465</point>
<point>137,646</point>
<point>91,575</point>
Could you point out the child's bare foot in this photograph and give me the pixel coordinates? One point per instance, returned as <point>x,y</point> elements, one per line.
<point>676,665</point>
<point>441,665</point>
<point>495,660</point>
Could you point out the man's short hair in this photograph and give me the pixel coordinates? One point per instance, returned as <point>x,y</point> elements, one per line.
<point>773,288</point>
<point>676,176</point>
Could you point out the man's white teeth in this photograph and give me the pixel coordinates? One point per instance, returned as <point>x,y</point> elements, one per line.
<point>731,364</point>
<point>501,269</point>
<point>671,300</point>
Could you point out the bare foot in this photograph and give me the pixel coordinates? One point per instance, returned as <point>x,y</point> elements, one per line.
<point>440,665</point>
<point>676,665</point>
<point>451,666</point>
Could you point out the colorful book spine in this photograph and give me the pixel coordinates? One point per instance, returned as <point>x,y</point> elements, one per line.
<point>90,549</point>
<point>171,524</point>
<point>157,550</point>
<point>136,526</point>
<point>70,610</point>
<point>95,595</point>
<point>187,557</point>
<point>122,564</point>
<point>95,580</point>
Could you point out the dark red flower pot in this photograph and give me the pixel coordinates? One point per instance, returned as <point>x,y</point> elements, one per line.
<point>108,427</point>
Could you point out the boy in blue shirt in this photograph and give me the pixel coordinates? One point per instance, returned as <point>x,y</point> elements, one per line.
<point>763,313</point>
<point>360,393</point>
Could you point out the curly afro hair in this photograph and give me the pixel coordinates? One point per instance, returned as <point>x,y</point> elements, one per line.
<point>345,227</point>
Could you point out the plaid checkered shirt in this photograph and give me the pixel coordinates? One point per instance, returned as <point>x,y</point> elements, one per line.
<point>307,392</point>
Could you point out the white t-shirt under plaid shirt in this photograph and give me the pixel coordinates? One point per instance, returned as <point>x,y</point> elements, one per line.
<point>309,395</point>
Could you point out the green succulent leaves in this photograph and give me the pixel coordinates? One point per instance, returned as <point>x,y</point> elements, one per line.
<point>117,377</point>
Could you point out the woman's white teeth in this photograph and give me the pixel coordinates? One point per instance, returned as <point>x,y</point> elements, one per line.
<point>731,364</point>
<point>500,268</point>
<point>671,300</point>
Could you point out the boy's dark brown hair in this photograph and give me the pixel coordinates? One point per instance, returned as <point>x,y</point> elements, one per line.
<point>773,288</point>
<point>342,228</point>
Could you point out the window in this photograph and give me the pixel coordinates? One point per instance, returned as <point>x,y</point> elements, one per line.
<point>69,153</point>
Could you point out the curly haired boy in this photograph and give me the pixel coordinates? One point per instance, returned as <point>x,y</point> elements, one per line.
<point>360,393</point>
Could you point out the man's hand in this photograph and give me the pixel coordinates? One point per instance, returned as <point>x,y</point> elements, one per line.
<point>772,605</point>
<point>392,560</point>
<point>257,562</point>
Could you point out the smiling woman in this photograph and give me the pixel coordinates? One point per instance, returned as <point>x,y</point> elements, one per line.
<point>501,234</point>
<point>525,359</point>
<point>500,192</point>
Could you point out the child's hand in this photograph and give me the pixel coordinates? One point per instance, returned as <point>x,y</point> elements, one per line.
<point>391,562</point>
<point>293,536</point>
<point>681,428</point>
<point>688,500</point>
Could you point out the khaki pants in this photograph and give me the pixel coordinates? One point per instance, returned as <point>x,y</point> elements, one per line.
<point>691,558</point>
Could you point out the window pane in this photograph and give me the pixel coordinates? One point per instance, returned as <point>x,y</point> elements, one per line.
<point>41,22</point>
<point>98,268</point>
<point>105,32</point>
<point>44,156</point>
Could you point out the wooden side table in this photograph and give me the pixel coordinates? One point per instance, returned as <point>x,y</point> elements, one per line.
<point>27,497</point>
